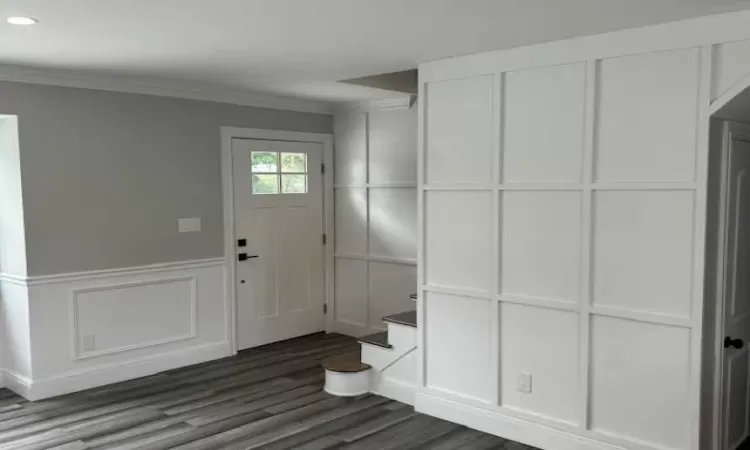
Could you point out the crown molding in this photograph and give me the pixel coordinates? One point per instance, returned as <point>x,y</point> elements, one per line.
<point>401,102</point>
<point>162,88</point>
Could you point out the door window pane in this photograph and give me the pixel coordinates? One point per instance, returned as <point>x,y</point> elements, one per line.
<point>294,162</point>
<point>293,184</point>
<point>265,161</point>
<point>265,184</point>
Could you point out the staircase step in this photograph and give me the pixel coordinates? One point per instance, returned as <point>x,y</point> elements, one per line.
<point>379,339</point>
<point>346,362</point>
<point>408,318</point>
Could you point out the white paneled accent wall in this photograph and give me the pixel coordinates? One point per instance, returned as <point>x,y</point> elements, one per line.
<point>562,194</point>
<point>376,214</point>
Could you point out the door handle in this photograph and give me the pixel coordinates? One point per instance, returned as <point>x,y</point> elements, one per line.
<point>736,343</point>
<point>245,257</point>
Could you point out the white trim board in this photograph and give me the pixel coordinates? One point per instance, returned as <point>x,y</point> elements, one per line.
<point>163,88</point>
<point>34,280</point>
<point>230,244</point>
<point>35,389</point>
<point>389,104</point>
<point>511,428</point>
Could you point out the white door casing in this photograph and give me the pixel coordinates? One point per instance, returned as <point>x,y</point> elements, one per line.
<point>736,374</point>
<point>278,211</point>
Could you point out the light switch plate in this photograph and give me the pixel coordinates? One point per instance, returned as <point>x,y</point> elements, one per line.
<point>189,225</point>
<point>523,384</point>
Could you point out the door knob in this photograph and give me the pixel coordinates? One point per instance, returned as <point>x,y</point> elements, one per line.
<point>736,343</point>
<point>245,257</point>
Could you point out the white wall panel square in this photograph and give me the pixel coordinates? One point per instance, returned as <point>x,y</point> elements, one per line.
<point>350,156</point>
<point>351,291</point>
<point>393,146</point>
<point>390,288</point>
<point>393,222</point>
<point>647,117</point>
<point>458,345</point>
<point>544,344</point>
<point>541,242</point>
<point>640,381</point>
<point>351,221</point>
<point>643,250</point>
<point>458,239</point>
<point>459,124</point>
<point>544,124</point>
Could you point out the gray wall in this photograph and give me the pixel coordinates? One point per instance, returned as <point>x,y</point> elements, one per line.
<point>12,249</point>
<point>106,175</point>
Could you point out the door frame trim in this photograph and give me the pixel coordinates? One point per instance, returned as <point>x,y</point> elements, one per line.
<point>230,246</point>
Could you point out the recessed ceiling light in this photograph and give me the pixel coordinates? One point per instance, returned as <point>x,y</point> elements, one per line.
<point>20,20</point>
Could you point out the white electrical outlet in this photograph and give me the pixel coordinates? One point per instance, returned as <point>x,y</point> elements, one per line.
<point>523,384</point>
<point>88,342</point>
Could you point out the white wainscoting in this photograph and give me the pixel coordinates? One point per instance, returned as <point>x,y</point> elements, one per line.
<point>94,328</point>
<point>376,203</point>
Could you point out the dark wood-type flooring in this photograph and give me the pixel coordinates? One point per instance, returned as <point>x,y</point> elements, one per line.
<point>267,398</point>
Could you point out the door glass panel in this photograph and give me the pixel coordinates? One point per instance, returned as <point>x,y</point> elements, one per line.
<point>265,184</point>
<point>294,184</point>
<point>265,162</point>
<point>294,162</point>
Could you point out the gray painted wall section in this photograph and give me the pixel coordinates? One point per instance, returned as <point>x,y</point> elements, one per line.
<point>106,175</point>
<point>12,241</point>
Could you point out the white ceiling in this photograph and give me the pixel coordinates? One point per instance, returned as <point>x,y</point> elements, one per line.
<point>299,47</point>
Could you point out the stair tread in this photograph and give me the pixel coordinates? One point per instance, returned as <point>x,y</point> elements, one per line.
<point>408,318</point>
<point>349,362</point>
<point>379,339</point>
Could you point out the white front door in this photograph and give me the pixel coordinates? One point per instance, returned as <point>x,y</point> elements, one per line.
<point>278,206</point>
<point>736,400</point>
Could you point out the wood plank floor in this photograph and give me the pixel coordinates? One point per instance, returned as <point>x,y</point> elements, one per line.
<point>266,398</point>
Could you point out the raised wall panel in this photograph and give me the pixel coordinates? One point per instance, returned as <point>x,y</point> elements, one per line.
<point>458,362</point>
<point>643,250</point>
<point>639,381</point>
<point>350,154</point>
<point>458,238</point>
<point>393,222</point>
<point>646,117</point>
<point>393,146</point>
<point>351,291</point>
<point>544,344</point>
<point>544,124</point>
<point>390,288</point>
<point>351,221</point>
<point>730,66</point>
<point>105,317</point>
<point>459,130</point>
<point>541,244</point>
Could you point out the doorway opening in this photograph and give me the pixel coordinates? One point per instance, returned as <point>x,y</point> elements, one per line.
<point>726,336</point>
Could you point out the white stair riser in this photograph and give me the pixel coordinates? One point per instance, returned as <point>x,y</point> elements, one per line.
<point>377,357</point>
<point>347,384</point>
<point>402,337</point>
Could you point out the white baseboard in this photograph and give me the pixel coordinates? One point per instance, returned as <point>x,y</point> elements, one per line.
<point>512,428</point>
<point>16,383</point>
<point>103,375</point>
